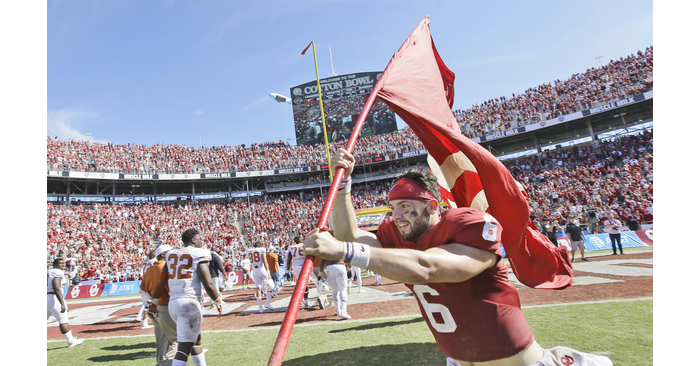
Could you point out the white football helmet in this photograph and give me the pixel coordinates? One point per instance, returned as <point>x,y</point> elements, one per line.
<point>268,285</point>
<point>323,288</point>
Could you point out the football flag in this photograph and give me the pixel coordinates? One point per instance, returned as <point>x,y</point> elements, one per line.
<point>306,49</point>
<point>419,87</point>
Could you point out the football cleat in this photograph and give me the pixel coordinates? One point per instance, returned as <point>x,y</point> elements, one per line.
<point>76,341</point>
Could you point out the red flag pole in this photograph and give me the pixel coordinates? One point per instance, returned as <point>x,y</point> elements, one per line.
<point>290,317</point>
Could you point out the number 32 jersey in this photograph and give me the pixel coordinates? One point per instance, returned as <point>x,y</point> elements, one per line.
<point>478,319</point>
<point>181,265</point>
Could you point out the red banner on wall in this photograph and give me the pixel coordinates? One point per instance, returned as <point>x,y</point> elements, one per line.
<point>646,236</point>
<point>235,277</point>
<point>85,291</point>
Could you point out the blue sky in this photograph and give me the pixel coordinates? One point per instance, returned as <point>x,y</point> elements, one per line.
<point>179,71</point>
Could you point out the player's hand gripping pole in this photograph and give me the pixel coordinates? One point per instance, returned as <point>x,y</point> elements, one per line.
<point>290,317</point>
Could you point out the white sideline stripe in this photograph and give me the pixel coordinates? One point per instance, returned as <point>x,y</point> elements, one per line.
<point>387,318</point>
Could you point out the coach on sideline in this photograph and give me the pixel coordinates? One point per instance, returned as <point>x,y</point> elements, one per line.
<point>451,262</point>
<point>165,328</point>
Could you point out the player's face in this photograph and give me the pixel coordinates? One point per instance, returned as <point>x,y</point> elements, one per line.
<point>197,241</point>
<point>411,218</point>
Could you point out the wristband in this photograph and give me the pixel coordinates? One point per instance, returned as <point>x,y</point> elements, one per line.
<point>153,301</point>
<point>345,185</point>
<point>349,252</point>
<point>359,255</point>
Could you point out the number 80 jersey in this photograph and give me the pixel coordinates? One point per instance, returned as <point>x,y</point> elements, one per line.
<point>181,265</point>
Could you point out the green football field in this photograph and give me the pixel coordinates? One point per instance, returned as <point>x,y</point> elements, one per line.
<point>619,329</point>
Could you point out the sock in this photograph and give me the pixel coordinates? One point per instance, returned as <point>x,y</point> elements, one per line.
<point>199,359</point>
<point>267,295</point>
<point>69,336</point>
<point>177,362</point>
<point>259,302</point>
<point>343,307</point>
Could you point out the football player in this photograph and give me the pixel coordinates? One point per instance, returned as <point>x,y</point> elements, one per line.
<point>261,272</point>
<point>147,263</point>
<point>452,263</point>
<point>295,261</point>
<point>337,277</point>
<point>186,271</point>
<point>55,305</point>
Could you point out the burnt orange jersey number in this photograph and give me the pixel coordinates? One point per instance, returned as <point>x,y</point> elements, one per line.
<point>297,251</point>
<point>179,266</point>
<point>255,257</point>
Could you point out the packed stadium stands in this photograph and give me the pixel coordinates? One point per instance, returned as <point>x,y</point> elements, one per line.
<point>109,241</point>
<point>619,79</point>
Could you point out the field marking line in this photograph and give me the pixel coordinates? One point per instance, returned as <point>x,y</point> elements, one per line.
<point>387,318</point>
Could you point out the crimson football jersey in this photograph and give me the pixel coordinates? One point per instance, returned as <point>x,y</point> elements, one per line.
<point>475,320</point>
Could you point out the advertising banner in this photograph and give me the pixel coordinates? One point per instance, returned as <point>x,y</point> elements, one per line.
<point>594,242</point>
<point>122,288</point>
<point>344,96</point>
<point>646,236</point>
<point>234,277</point>
<point>83,291</point>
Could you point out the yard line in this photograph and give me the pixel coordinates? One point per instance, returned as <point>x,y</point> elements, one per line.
<point>381,319</point>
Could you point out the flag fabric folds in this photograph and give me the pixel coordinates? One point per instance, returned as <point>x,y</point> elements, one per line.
<point>419,87</point>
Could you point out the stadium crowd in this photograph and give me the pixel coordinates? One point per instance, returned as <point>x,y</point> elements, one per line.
<point>109,242</point>
<point>614,177</point>
<point>619,79</point>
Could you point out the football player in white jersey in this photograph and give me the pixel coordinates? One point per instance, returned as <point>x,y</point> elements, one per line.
<point>186,270</point>
<point>261,272</point>
<point>144,297</point>
<point>55,305</point>
<point>295,261</point>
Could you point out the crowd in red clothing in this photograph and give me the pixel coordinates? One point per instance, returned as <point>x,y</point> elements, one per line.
<point>115,239</point>
<point>619,79</point>
<point>111,241</point>
<point>616,177</point>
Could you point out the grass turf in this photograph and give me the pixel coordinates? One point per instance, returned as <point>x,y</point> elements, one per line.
<point>621,330</point>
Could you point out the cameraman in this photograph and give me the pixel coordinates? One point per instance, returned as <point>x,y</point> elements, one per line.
<point>613,225</point>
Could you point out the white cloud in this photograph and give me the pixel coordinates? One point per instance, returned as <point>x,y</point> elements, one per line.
<point>198,112</point>
<point>61,123</point>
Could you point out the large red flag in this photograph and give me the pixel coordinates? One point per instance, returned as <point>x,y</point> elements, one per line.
<point>420,89</point>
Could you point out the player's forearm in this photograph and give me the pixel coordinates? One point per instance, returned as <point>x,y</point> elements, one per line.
<point>207,282</point>
<point>403,265</point>
<point>449,263</point>
<point>344,219</point>
<point>58,290</point>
